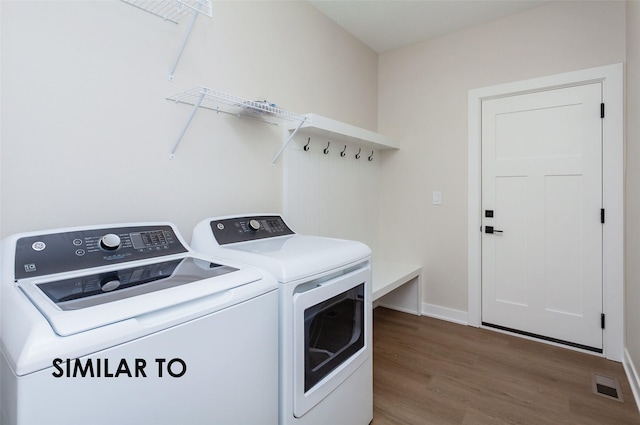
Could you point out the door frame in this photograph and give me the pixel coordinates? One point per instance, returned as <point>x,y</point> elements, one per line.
<point>611,77</point>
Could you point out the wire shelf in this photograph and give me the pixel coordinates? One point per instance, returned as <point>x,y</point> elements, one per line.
<point>173,10</point>
<point>262,110</point>
<point>222,102</point>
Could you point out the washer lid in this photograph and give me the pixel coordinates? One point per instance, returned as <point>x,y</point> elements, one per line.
<point>295,257</point>
<point>82,302</point>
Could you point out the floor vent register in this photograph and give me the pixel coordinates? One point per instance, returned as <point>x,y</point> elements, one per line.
<point>606,386</point>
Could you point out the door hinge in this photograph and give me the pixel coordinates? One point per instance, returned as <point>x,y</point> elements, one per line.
<point>602,320</point>
<point>602,215</point>
<point>602,110</point>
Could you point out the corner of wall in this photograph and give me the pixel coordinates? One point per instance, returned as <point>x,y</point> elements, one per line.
<point>632,376</point>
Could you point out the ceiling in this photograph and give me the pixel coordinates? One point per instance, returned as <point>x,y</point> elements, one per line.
<point>391,24</point>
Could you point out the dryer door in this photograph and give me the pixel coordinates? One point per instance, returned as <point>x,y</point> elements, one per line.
<point>332,331</point>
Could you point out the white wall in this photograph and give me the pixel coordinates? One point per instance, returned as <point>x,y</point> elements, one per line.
<point>632,228</point>
<point>331,195</point>
<point>423,106</point>
<point>86,128</point>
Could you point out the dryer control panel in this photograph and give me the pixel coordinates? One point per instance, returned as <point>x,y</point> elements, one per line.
<point>243,229</point>
<point>51,253</point>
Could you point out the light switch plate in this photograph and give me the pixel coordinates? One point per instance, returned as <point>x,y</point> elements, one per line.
<point>437,198</point>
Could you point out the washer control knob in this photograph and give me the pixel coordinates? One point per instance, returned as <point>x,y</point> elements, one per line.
<point>110,242</point>
<point>254,225</point>
<point>110,283</point>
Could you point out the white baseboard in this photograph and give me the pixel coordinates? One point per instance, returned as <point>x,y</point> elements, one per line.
<point>444,313</point>
<point>396,307</point>
<point>632,376</point>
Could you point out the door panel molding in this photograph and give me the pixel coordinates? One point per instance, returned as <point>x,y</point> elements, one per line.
<point>611,77</point>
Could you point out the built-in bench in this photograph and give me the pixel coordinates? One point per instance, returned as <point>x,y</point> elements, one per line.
<point>397,285</point>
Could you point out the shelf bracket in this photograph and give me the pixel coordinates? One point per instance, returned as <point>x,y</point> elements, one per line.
<point>284,146</point>
<point>186,125</point>
<point>184,43</point>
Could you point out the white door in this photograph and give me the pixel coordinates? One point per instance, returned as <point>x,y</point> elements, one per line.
<point>542,197</point>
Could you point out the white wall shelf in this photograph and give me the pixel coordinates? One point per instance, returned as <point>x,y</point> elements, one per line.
<point>214,100</point>
<point>337,130</point>
<point>174,11</point>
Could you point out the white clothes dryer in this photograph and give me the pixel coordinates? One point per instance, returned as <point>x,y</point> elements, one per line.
<point>325,314</point>
<point>125,324</point>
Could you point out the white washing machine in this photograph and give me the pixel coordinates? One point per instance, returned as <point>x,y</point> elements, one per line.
<point>125,324</point>
<point>325,314</point>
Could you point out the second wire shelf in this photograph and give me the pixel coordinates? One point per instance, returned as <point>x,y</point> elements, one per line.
<point>203,97</point>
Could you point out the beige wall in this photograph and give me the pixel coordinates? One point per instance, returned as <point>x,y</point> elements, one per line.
<point>86,128</point>
<point>423,104</point>
<point>632,230</point>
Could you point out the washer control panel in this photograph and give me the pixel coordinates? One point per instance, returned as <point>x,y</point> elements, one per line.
<point>75,250</point>
<point>243,229</point>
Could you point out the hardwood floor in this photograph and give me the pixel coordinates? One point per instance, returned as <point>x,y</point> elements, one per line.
<point>431,372</point>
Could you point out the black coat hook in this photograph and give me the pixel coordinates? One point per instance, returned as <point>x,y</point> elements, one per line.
<point>306,147</point>
<point>344,152</point>
<point>371,156</point>
<point>358,154</point>
<point>326,150</point>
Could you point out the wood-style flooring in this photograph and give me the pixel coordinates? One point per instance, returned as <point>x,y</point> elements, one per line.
<point>432,372</point>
